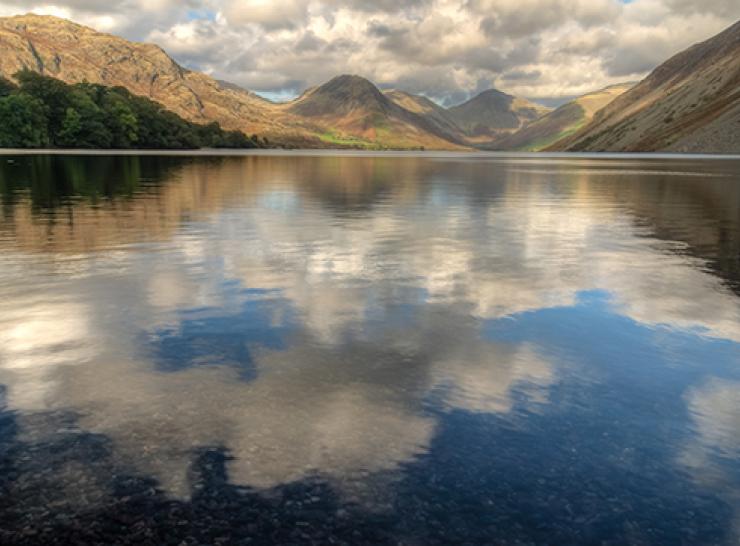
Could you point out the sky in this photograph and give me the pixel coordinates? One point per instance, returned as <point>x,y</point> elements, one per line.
<point>445,49</point>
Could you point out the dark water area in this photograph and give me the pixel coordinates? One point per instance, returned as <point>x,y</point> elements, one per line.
<point>368,349</point>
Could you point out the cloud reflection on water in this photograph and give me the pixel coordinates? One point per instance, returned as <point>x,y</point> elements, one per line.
<point>376,276</point>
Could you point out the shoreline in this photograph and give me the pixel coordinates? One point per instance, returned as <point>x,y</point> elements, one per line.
<point>308,152</point>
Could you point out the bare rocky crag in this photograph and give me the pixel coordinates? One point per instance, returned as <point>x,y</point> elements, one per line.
<point>690,103</point>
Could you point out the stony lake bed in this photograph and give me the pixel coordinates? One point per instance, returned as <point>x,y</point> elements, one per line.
<point>358,348</point>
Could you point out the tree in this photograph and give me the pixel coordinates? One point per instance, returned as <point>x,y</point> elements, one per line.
<point>70,129</point>
<point>7,87</point>
<point>121,120</point>
<point>24,123</point>
<point>83,125</point>
<point>54,94</point>
<point>95,116</point>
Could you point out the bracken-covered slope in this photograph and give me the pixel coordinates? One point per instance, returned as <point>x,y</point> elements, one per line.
<point>74,53</point>
<point>690,103</point>
<point>561,122</point>
<point>492,114</point>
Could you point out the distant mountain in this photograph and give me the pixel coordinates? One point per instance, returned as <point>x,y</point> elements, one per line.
<point>561,122</point>
<point>354,109</point>
<point>439,117</point>
<point>690,103</point>
<point>346,95</point>
<point>492,114</point>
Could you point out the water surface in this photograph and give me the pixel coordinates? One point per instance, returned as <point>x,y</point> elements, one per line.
<point>369,349</point>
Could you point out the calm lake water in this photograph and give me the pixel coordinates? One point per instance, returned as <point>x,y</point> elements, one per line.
<point>358,349</point>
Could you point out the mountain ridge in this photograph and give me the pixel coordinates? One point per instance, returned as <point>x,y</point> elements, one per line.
<point>75,53</point>
<point>690,103</point>
<point>563,121</point>
<point>435,114</point>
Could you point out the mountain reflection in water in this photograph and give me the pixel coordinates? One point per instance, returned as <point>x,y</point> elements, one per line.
<point>415,349</point>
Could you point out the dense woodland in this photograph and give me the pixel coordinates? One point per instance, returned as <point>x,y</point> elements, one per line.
<point>43,112</point>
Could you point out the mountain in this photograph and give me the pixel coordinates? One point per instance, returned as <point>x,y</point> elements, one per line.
<point>492,114</point>
<point>690,103</point>
<point>347,111</point>
<point>44,112</point>
<point>355,110</point>
<point>435,114</point>
<point>74,53</point>
<point>561,122</point>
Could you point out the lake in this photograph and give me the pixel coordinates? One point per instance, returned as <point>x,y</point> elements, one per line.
<point>361,348</point>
